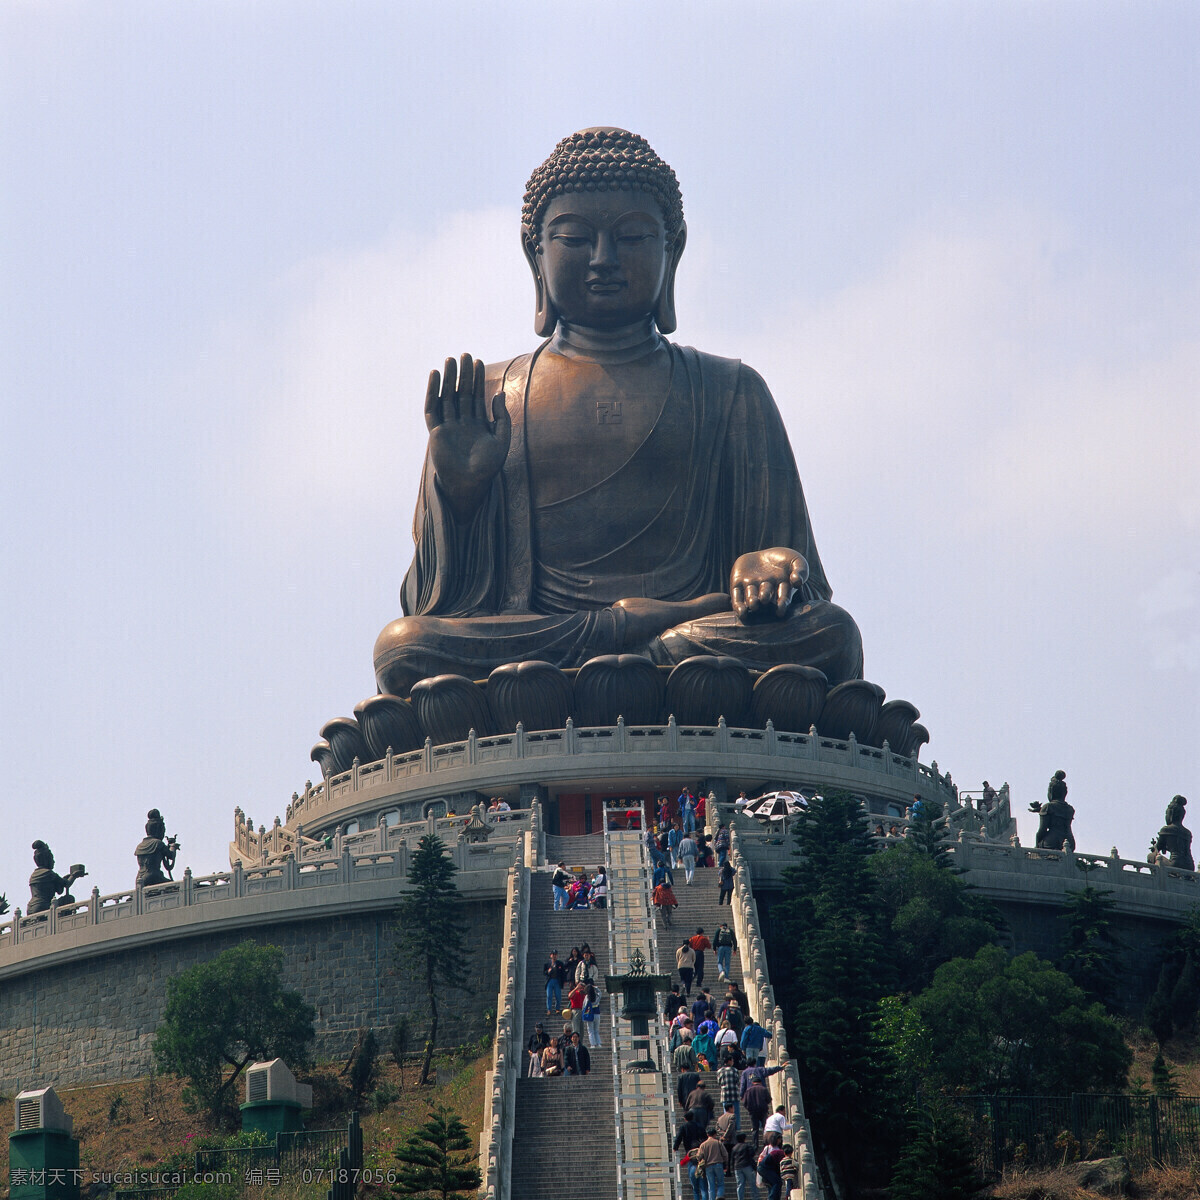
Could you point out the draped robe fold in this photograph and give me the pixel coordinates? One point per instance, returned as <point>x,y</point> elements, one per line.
<point>518,582</point>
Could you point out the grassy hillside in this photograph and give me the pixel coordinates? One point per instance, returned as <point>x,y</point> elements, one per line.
<point>139,1124</point>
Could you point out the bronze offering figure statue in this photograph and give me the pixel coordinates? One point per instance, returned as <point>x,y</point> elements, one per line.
<point>155,851</point>
<point>610,492</point>
<point>45,883</point>
<point>1173,839</point>
<point>1054,828</point>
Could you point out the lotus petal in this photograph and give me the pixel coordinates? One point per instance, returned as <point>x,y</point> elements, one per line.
<point>450,706</point>
<point>919,737</point>
<point>536,694</point>
<point>345,737</point>
<point>851,708</point>
<point>322,755</point>
<point>895,724</point>
<point>706,687</point>
<point>389,721</point>
<point>619,685</point>
<point>790,697</point>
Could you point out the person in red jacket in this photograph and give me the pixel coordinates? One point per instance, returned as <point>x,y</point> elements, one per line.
<point>700,943</point>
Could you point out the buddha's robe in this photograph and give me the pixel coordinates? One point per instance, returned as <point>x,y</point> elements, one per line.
<point>713,479</point>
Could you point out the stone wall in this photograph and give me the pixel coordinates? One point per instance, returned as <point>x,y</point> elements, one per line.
<point>1039,928</point>
<point>94,1020</point>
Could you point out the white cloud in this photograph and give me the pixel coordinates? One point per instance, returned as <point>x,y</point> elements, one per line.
<point>324,399</point>
<point>1025,385</point>
<point>1173,594</point>
<point>1169,607</point>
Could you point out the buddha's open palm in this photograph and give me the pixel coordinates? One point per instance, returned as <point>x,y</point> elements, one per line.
<point>765,581</point>
<point>467,448</point>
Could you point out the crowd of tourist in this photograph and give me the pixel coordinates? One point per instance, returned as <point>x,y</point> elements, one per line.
<point>574,981</point>
<point>576,891</point>
<point>718,1052</point>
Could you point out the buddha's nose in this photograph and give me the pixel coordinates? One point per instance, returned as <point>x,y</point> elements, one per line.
<point>604,251</point>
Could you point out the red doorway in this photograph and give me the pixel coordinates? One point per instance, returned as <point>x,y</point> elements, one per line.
<point>583,812</point>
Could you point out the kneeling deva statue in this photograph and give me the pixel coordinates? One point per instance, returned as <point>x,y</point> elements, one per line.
<point>610,492</point>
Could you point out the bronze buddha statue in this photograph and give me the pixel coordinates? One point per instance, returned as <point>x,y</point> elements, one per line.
<point>609,492</point>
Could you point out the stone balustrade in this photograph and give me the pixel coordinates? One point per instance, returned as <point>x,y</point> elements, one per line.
<point>785,1085</point>
<point>290,884</point>
<point>500,1094</point>
<point>1137,887</point>
<point>280,841</point>
<point>583,753</point>
<point>1002,871</point>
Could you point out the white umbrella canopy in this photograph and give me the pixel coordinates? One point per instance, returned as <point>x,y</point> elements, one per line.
<point>777,806</point>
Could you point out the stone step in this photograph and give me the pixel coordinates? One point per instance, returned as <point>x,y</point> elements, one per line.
<point>564,1144</point>
<point>583,850</point>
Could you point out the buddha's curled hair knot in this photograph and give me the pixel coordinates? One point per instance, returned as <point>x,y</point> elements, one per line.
<point>602,160</point>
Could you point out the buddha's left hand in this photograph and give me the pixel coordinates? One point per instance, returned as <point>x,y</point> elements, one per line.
<point>765,581</point>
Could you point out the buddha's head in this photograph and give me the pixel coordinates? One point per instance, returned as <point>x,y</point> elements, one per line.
<point>602,229</point>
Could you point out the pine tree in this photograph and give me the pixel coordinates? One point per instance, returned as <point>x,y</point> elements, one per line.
<point>834,961</point>
<point>1173,1006</point>
<point>927,833</point>
<point>1091,950</point>
<point>1185,996</point>
<point>1162,1078</point>
<point>430,930</point>
<point>433,1164</point>
<point>364,1065</point>
<point>938,1159</point>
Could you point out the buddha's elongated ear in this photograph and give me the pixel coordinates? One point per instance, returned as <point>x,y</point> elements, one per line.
<point>545,318</point>
<point>664,306</point>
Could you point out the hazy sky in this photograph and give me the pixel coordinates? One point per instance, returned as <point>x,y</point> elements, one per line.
<point>961,242</point>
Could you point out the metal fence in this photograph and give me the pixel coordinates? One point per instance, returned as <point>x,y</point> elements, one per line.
<point>1046,1130</point>
<point>304,1148</point>
<point>336,1153</point>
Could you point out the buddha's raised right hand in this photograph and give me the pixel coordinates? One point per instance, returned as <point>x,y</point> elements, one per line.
<point>467,449</point>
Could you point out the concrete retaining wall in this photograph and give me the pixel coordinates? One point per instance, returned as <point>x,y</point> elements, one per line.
<point>93,1019</point>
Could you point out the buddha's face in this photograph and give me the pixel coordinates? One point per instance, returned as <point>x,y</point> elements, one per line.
<point>603,257</point>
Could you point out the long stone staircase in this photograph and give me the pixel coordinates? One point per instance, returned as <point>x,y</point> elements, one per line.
<point>564,1140</point>
<point>698,909</point>
<point>557,1139</point>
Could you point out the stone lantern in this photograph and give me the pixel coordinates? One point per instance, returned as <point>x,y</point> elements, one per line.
<point>639,987</point>
<point>477,828</point>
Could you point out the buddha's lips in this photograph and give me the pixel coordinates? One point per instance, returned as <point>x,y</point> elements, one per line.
<point>605,287</point>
